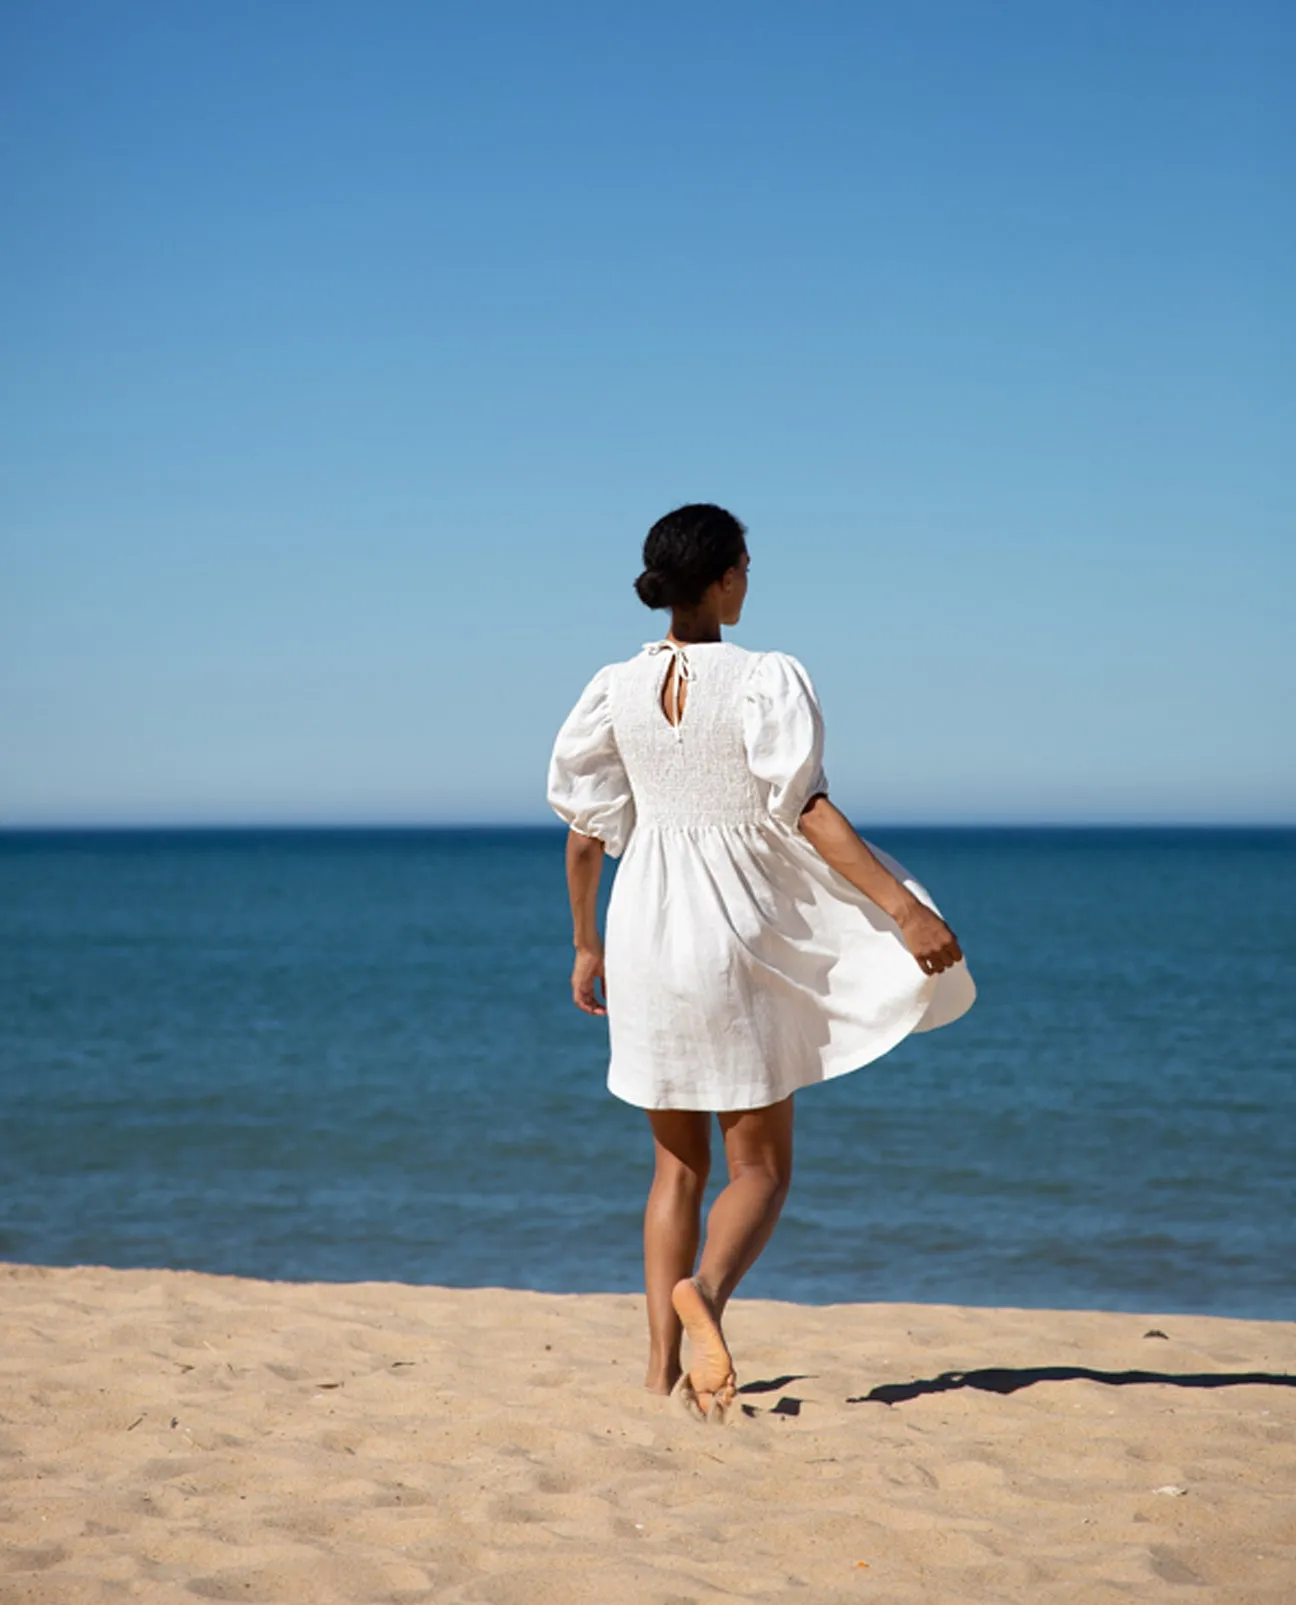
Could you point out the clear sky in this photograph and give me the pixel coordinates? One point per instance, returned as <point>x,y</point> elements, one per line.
<point>347,352</point>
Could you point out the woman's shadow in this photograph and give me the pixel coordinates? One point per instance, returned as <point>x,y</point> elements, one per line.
<point>1011,1379</point>
<point>1005,1379</point>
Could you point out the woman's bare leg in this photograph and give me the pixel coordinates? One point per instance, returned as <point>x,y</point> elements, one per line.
<point>672,1228</point>
<point>758,1147</point>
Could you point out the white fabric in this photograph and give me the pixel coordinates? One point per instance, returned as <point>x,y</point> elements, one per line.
<point>739,965</point>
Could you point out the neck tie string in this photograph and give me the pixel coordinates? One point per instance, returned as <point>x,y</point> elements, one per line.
<point>683,672</point>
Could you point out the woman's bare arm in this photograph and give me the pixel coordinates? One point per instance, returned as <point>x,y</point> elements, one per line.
<point>833,837</point>
<point>584,868</point>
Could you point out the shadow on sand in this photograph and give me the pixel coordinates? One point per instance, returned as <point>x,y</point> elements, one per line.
<point>1004,1380</point>
<point>788,1405</point>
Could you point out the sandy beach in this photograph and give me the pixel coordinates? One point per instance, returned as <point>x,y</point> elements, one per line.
<point>165,1435</point>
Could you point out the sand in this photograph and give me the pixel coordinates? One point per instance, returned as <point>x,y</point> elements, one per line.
<point>169,1435</point>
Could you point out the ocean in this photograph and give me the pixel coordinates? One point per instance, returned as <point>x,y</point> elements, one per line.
<point>352,1055</point>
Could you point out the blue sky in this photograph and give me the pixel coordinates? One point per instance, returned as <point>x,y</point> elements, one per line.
<point>350,350</point>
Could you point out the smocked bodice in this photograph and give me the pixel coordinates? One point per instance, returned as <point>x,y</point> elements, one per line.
<point>695,772</point>
<point>747,750</point>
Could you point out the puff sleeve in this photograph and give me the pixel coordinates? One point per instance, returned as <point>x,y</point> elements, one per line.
<point>784,735</point>
<point>588,786</point>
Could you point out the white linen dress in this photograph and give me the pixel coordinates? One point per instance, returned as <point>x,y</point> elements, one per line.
<point>739,965</point>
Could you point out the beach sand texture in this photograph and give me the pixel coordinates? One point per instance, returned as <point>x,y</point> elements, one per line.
<point>170,1436</point>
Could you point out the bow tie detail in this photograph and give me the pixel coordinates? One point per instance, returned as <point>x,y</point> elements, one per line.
<point>683,672</point>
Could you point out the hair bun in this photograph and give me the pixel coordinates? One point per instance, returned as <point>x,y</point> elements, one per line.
<point>654,588</point>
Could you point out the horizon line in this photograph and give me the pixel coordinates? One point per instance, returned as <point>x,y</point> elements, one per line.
<point>209,827</point>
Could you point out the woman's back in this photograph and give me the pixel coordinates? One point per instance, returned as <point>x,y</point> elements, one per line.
<point>696,771</point>
<point>742,749</point>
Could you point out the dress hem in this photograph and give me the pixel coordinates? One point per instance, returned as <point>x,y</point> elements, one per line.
<point>842,1063</point>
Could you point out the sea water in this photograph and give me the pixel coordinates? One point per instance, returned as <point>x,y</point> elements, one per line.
<point>342,1055</point>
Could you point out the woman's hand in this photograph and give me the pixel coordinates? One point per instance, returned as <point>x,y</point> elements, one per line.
<point>928,938</point>
<point>587,969</point>
<point>835,839</point>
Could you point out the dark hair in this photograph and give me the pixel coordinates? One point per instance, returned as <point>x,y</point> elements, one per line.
<point>686,551</point>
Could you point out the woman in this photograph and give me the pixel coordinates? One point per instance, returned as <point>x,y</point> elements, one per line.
<point>755,943</point>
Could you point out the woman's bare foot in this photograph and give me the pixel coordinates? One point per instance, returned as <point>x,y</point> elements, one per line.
<point>711,1369</point>
<point>662,1378</point>
<point>687,1400</point>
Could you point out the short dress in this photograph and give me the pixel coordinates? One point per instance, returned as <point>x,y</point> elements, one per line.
<point>739,965</point>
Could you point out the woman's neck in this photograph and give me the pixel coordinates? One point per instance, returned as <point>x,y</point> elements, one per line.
<point>693,632</point>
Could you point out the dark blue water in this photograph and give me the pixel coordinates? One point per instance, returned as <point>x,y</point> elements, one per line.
<point>352,1055</point>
